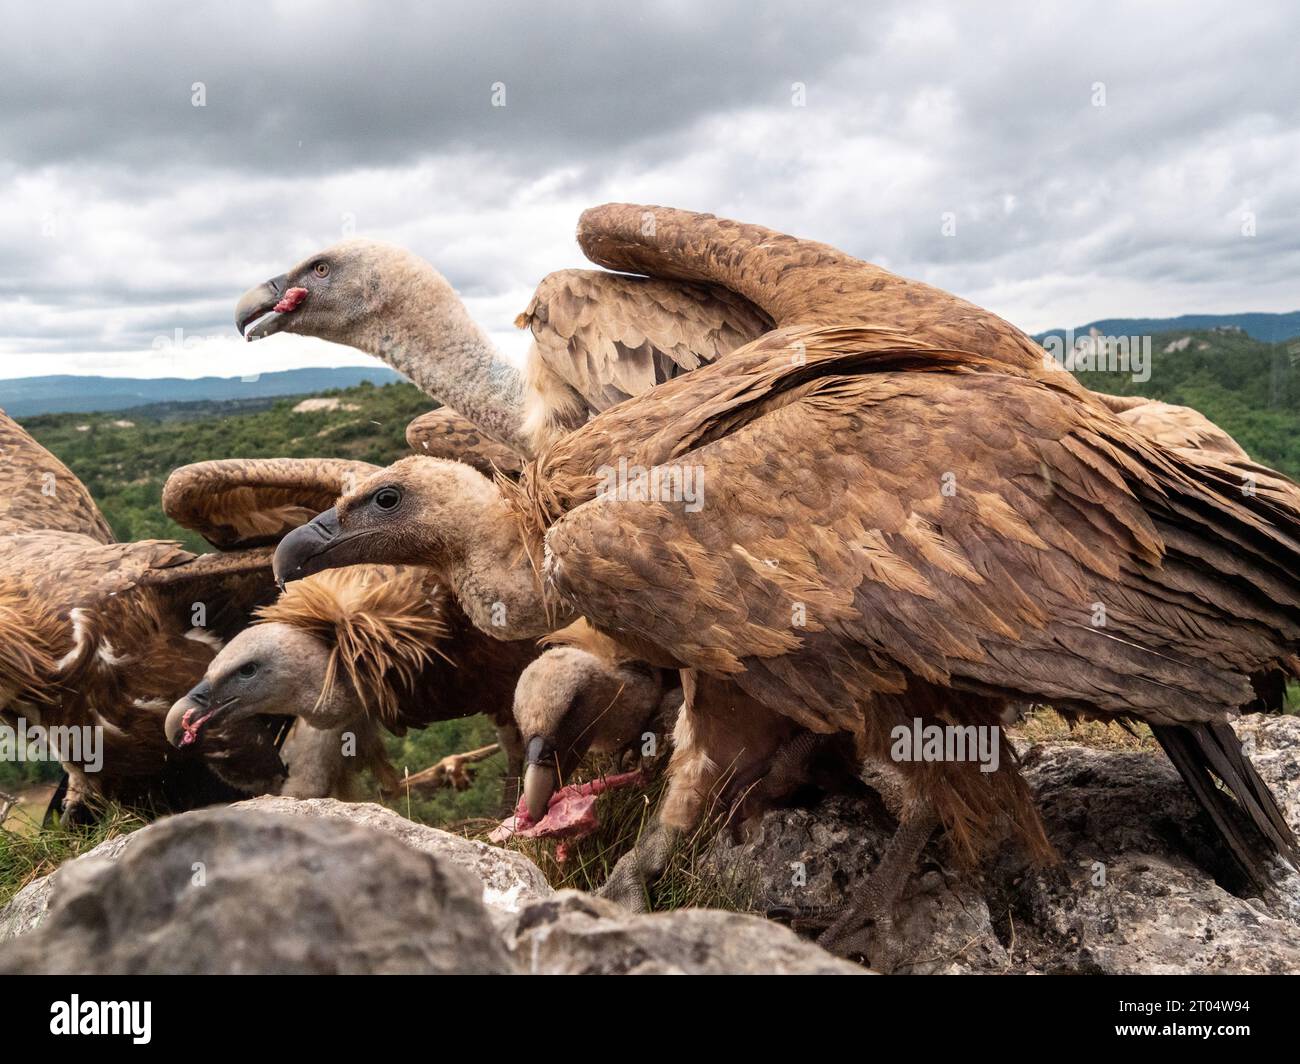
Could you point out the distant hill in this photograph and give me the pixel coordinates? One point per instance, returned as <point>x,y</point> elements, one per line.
<point>123,456</point>
<point>28,396</point>
<point>1249,388</point>
<point>1271,328</point>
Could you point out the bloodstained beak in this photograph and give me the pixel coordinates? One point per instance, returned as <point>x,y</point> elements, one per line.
<point>188,716</point>
<point>300,553</point>
<point>264,310</point>
<point>541,778</point>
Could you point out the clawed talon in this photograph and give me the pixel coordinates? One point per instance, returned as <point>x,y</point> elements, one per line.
<point>866,927</point>
<point>636,871</point>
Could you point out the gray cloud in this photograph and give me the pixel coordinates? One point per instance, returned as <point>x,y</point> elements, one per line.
<point>126,213</point>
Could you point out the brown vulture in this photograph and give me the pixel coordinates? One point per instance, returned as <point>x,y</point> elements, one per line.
<point>905,514</point>
<point>346,653</point>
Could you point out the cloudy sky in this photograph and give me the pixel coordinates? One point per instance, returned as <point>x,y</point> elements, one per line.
<point>1096,160</point>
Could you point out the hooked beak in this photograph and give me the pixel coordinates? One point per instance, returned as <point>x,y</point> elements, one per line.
<point>265,309</point>
<point>189,715</point>
<point>541,777</point>
<point>299,553</point>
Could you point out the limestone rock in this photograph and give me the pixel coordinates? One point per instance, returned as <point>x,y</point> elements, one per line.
<point>241,891</point>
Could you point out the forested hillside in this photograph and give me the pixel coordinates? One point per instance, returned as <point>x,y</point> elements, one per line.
<point>125,456</point>
<point>1249,388</point>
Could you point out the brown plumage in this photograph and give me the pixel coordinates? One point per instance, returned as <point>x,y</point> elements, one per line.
<point>894,525</point>
<point>599,337</point>
<point>102,635</point>
<point>37,491</point>
<point>250,502</point>
<point>443,433</point>
<point>1173,426</point>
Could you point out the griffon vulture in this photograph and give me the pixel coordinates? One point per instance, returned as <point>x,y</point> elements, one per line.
<point>905,514</point>
<point>350,651</point>
<point>597,337</point>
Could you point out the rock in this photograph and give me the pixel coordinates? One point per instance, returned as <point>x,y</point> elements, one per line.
<point>1136,890</point>
<point>807,863</point>
<point>244,891</point>
<point>573,933</point>
<point>312,406</point>
<point>510,880</point>
<point>27,908</point>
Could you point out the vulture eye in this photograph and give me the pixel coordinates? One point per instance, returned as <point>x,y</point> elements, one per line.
<point>322,269</point>
<point>387,498</point>
<point>248,669</point>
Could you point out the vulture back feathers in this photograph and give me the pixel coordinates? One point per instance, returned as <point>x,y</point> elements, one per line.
<point>883,512</point>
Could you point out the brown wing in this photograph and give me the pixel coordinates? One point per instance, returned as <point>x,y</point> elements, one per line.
<point>602,337</point>
<point>443,433</point>
<point>859,525</point>
<point>248,502</point>
<point>38,491</point>
<point>797,281</point>
<point>62,572</point>
<point>119,631</point>
<point>1175,426</point>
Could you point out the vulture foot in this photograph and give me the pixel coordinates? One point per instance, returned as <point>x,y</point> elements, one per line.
<point>866,926</point>
<point>636,870</point>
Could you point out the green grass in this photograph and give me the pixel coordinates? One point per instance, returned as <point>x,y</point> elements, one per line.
<point>28,851</point>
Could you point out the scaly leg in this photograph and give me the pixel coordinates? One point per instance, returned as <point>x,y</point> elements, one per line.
<point>513,744</point>
<point>629,882</point>
<point>877,897</point>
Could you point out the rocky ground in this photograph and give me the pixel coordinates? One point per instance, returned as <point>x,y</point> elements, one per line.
<point>277,885</point>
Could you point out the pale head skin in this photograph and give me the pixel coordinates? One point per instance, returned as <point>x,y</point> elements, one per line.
<point>392,304</point>
<point>445,516</point>
<point>570,702</point>
<point>349,287</point>
<point>269,670</point>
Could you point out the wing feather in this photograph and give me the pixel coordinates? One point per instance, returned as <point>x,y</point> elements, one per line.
<point>248,502</point>
<point>982,568</point>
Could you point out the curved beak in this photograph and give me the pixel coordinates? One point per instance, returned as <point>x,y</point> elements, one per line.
<point>541,777</point>
<point>188,716</point>
<point>299,553</point>
<point>255,313</point>
<point>540,782</point>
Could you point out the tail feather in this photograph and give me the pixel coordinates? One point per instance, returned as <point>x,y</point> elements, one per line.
<point>1211,762</point>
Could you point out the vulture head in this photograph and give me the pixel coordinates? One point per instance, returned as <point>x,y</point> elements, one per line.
<point>418,511</point>
<point>344,646</point>
<point>264,676</point>
<point>336,292</point>
<point>584,695</point>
